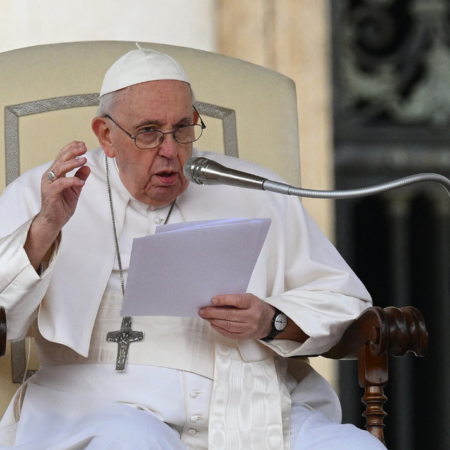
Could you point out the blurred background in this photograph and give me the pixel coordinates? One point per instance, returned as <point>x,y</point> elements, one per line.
<point>373,91</point>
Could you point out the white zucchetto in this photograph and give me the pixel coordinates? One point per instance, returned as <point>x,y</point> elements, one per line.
<point>139,66</point>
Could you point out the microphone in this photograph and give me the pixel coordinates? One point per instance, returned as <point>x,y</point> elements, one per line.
<point>208,172</point>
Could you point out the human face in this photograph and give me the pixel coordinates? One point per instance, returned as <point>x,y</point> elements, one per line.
<point>155,176</point>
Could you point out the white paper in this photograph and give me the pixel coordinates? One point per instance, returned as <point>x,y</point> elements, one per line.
<point>183,266</point>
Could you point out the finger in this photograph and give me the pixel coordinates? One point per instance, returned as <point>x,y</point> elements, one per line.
<point>230,334</point>
<point>71,151</point>
<point>64,183</point>
<point>83,173</point>
<point>75,148</point>
<point>223,313</point>
<point>61,169</point>
<point>241,301</point>
<point>69,158</point>
<point>232,327</point>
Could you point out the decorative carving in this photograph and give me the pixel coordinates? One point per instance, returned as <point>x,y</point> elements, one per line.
<point>393,63</point>
<point>393,331</point>
<point>374,399</point>
<point>371,338</point>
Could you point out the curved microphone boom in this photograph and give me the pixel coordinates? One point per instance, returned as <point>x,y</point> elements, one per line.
<point>209,172</point>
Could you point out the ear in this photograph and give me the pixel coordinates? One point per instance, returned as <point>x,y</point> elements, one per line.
<point>101,127</point>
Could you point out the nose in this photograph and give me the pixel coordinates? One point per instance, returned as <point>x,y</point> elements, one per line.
<point>168,147</point>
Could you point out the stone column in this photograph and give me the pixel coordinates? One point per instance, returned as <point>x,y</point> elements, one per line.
<point>293,38</point>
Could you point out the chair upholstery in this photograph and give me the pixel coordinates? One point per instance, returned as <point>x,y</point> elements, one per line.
<point>46,90</point>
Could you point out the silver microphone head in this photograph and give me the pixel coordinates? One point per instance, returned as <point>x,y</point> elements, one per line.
<point>207,171</point>
<point>192,169</point>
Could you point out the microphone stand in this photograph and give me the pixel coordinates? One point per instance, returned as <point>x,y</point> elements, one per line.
<point>282,188</point>
<point>209,172</point>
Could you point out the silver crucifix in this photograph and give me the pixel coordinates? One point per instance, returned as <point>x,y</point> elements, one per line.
<point>124,337</point>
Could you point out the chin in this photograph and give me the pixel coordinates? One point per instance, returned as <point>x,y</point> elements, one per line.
<point>160,199</point>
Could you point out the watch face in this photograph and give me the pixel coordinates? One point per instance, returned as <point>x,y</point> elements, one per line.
<point>280,322</point>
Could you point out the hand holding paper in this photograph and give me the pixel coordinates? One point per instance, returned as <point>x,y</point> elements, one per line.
<point>239,316</point>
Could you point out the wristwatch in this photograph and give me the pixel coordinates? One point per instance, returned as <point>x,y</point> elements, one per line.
<point>279,323</point>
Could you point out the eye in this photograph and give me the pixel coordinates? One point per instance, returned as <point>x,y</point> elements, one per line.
<point>147,130</point>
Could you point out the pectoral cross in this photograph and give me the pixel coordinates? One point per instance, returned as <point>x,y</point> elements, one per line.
<point>124,337</point>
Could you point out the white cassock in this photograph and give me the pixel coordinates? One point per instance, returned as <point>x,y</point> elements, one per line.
<point>190,384</point>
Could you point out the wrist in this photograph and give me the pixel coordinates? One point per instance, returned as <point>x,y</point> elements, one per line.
<point>270,311</point>
<point>278,324</point>
<point>39,240</point>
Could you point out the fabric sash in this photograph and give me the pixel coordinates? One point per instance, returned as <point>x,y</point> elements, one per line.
<point>248,408</point>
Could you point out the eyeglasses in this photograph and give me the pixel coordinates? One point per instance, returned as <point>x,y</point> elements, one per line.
<point>184,134</point>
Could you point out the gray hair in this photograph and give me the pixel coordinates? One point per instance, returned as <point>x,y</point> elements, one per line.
<point>108,102</point>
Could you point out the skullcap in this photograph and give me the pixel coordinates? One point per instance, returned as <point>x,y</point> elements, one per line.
<point>139,66</point>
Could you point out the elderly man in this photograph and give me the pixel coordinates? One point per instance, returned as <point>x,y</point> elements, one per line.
<point>219,381</point>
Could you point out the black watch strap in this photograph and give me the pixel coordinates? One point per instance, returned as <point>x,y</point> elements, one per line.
<point>274,332</point>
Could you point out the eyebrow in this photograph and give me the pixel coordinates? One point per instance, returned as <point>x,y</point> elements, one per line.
<point>159,123</point>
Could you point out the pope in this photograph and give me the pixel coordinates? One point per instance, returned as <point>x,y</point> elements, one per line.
<point>235,377</point>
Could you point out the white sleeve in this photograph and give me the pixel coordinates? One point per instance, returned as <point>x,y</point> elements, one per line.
<point>21,287</point>
<point>322,295</point>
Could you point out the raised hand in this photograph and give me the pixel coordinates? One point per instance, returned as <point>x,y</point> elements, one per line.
<point>60,197</point>
<point>59,200</point>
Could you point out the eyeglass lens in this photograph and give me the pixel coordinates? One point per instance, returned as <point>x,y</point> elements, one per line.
<point>183,135</point>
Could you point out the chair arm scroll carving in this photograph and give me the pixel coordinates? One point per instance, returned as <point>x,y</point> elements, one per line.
<point>393,331</point>
<point>371,338</point>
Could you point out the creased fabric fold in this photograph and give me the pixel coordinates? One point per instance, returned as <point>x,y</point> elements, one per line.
<point>247,407</point>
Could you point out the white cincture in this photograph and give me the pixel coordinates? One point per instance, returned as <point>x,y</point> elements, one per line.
<point>248,408</point>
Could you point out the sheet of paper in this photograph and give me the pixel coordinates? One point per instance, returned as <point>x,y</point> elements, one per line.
<point>183,266</point>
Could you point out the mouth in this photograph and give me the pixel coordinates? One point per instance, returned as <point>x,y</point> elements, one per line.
<point>167,177</point>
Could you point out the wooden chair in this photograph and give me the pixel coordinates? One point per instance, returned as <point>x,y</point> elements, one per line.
<point>53,103</point>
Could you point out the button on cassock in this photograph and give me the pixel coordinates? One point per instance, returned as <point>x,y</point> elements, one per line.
<point>196,418</point>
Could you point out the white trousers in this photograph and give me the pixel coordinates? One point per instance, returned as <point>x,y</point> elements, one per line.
<point>125,428</point>
<point>56,420</point>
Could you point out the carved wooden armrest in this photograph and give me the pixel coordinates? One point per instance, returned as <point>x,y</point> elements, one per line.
<point>371,338</point>
<point>2,331</point>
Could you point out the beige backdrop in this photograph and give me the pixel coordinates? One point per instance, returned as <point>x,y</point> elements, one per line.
<point>293,38</point>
